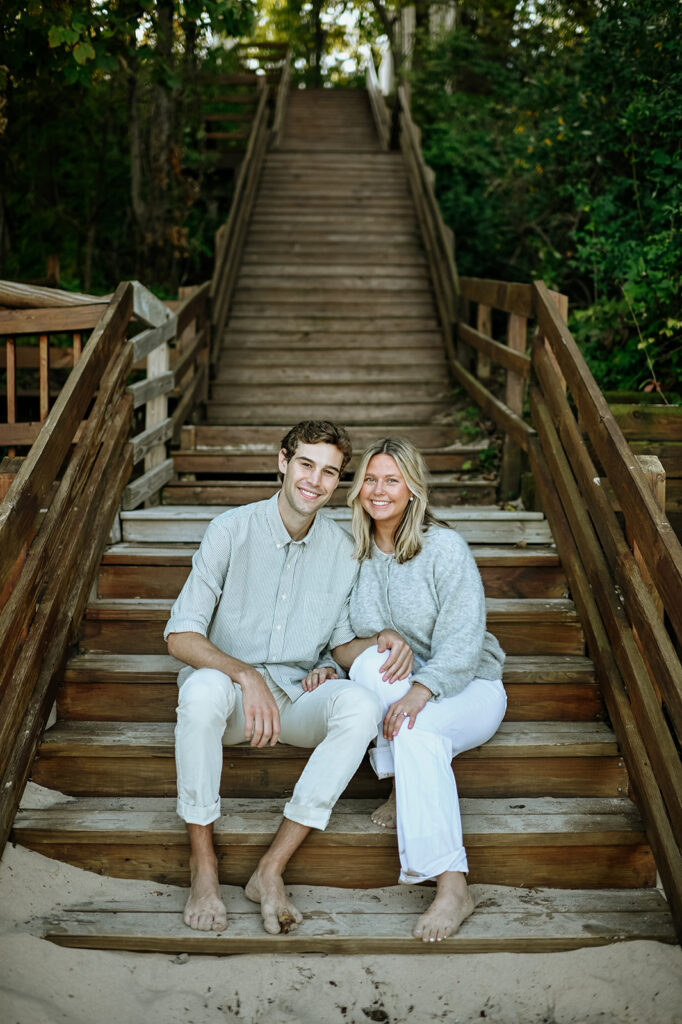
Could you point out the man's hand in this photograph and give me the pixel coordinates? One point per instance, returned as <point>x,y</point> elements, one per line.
<point>261,714</point>
<point>406,710</point>
<point>398,665</point>
<point>318,676</point>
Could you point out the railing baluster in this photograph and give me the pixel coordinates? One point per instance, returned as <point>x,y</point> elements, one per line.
<point>510,471</point>
<point>44,376</point>
<point>10,348</point>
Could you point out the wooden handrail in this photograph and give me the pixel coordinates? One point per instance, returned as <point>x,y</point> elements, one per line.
<point>382,118</point>
<point>651,530</point>
<point>281,101</point>
<point>230,238</point>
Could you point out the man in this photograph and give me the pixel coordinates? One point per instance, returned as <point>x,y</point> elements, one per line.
<point>267,596</point>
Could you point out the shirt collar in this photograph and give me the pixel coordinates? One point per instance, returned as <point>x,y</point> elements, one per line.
<point>280,534</point>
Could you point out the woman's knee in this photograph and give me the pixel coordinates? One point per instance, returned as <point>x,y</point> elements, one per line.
<point>366,669</point>
<point>206,694</point>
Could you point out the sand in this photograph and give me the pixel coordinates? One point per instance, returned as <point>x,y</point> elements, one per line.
<point>40,983</point>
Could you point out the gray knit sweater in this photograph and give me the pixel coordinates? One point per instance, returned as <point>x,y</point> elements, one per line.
<point>436,602</point>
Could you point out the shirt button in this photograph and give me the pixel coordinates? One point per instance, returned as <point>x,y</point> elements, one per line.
<point>279,627</point>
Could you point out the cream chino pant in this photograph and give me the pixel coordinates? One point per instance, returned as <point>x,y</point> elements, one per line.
<point>339,719</point>
<point>429,822</point>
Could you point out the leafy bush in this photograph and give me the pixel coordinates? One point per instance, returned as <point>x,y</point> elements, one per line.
<point>558,155</point>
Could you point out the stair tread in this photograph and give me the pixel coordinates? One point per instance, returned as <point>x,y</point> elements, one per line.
<point>374,921</point>
<point>523,608</point>
<point>163,667</point>
<point>513,739</point>
<point>181,554</point>
<point>575,821</point>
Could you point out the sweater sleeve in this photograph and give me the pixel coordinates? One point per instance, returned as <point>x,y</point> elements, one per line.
<point>459,631</point>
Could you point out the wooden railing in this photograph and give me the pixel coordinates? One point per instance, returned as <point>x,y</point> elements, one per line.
<point>621,555</point>
<point>622,558</point>
<point>382,118</point>
<point>230,237</point>
<point>62,504</point>
<point>283,87</point>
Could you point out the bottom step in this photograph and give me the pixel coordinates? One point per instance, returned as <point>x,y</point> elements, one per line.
<point>374,922</point>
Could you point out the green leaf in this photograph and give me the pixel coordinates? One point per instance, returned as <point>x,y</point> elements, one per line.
<point>83,52</point>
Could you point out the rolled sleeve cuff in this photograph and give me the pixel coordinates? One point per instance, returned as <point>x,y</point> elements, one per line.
<point>341,635</point>
<point>184,626</point>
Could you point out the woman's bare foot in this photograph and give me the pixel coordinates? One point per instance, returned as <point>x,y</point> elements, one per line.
<point>205,910</point>
<point>452,905</point>
<point>386,814</point>
<point>278,912</point>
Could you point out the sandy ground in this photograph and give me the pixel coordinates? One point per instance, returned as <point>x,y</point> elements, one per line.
<point>40,983</point>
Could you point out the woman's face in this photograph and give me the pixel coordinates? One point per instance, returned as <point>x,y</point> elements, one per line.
<point>384,494</point>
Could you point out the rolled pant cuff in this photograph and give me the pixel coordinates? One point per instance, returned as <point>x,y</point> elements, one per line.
<point>458,863</point>
<point>198,815</point>
<point>309,816</point>
<point>381,759</point>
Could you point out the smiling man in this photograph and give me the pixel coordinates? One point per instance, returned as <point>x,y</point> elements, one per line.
<point>268,594</point>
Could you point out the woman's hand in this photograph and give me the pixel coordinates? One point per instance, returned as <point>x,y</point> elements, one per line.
<point>406,710</point>
<point>318,676</point>
<point>398,665</point>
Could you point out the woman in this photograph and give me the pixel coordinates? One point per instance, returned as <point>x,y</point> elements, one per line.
<point>419,577</point>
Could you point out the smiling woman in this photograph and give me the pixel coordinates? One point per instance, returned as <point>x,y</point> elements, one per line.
<point>420,578</point>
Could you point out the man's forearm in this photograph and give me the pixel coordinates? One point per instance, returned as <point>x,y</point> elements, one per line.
<point>198,651</point>
<point>345,654</point>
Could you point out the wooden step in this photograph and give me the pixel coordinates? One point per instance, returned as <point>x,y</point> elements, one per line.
<point>415,360</point>
<point>432,376</point>
<point>478,525</point>
<point>445,491</point>
<point>313,324</point>
<point>369,253</point>
<point>505,571</point>
<point>352,414</point>
<point>218,462</point>
<point>374,922</point>
<point>525,626</point>
<point>143,688</point>
<point>589,843</point>
<point>521,760</point>
<point>250,334</point>
<point>268,438</point>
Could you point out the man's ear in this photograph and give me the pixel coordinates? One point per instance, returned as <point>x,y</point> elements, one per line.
<point>282,461</point>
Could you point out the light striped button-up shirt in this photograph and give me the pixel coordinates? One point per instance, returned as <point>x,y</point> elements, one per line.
<point>258,595</point>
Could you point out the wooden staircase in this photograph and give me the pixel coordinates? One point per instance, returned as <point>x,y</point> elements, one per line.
<point>333,317</point>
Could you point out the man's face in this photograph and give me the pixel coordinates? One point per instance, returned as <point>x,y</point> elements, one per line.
<point>310,476</point>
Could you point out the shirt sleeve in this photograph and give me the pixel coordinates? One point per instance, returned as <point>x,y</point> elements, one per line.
<point>343,632</point>
<point>459,631</point>
<point>193,610</point>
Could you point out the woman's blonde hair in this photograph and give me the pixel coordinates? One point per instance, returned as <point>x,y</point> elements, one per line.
<point>417,516</point>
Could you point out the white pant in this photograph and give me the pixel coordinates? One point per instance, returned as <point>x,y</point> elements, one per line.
<point>339,719</point>
<point>429,822</point>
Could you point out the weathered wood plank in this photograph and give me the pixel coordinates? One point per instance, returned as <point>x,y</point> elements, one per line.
<point>30,486</point>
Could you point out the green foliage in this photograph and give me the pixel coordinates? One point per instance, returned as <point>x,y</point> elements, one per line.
<point>554,133</point>
<point>67,150</point>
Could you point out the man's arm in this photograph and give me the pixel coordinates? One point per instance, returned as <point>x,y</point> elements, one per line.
<point>261,714</point>
<point>398,665</point>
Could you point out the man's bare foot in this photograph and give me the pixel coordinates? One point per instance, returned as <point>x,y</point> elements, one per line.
<point>452,905</point>
<point>386,814</point>
<point>278,912</point>
<point>205,910</point>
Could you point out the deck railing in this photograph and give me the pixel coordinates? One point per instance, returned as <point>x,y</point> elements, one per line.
<point>230,237</point>
<point>622,558</point>
<point>63,501</point>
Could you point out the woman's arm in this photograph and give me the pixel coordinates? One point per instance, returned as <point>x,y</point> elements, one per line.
<point>397,666</point>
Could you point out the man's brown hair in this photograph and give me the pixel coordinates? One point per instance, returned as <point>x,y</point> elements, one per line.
<point>317,432</point>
